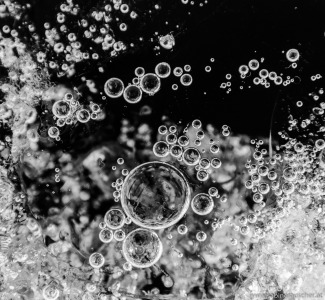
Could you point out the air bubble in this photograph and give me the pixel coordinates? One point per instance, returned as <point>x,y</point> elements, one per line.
<point>142,248</point>
<point>191,156</point>
<point>161,149</point>
<point>96,260</point>
<point>106,235</point>
<point>202,204</point>
<point>132,94</point>
<point>155,195</point>
<point>114,87</point>
<point>114,219</point>
<point>163,70</point>
<point>150,83</point>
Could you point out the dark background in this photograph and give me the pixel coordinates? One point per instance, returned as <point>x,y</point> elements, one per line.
<point>232,32</point>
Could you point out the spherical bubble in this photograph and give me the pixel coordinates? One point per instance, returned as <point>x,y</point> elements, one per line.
<point>119,235</point>
<point>155,195</point>
<point>114,218</point>
<point>264,188</point>
<point>83,115</point>
<point>200,134</point>
<point>187,68</point>
<point>243,69</point>
<point>139,71</point>
<point>127,266</point>
<point>50,292</point>
<point>292,55</point>
<point>132,94</point>
<point>106,235</point>
<point>244,230</point>
<point>253,64</point>
<point>252,218</point>
<point>264,73</point>
<point>150,83</point>
<point>204,163</point>
<point>162,129</point>
<point>173,129</point>
<point>201,236</point>
<point>120,161</point>
<point>53,132</point>
<point>182,229</point>
<point>214,148</point>
<point>96,260</point>
<point>197,124</point>
<point>213,191</point>
<point>142,248</point>
<point>215,163</point>
<point>183,141</point>
<point>191,156</point>
<point>202,204</point>
<point>163,70</point>
<point>186,79</point>
<point>289,174</point>
<point>161,149</point>
<point>288,188</point>
<point>278,80</point>
<point>202,175</point>
<point>320,144</point>
<point>171,138</point>
<point>176,151</point>
<point>257,197</point>
<point>174,86</point>
<point>114,87</point>
<point>178,71</point>
<point>61,109</point>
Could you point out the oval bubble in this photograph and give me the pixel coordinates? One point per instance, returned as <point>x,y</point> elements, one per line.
<point>150,83</point>
<point>202,204</point>
<point>114,87</point>
<point>142,248</point>
<point>155,195</point>
<point>132,94</point>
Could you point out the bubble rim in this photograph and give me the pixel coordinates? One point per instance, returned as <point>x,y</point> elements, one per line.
<point>169,224</point>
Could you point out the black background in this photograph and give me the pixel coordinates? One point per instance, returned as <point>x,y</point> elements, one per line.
<point>232,32</point>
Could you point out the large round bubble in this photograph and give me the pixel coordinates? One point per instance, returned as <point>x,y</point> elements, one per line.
<point>114,87</point>
<point>142,248</point>
<point>155,195</point>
